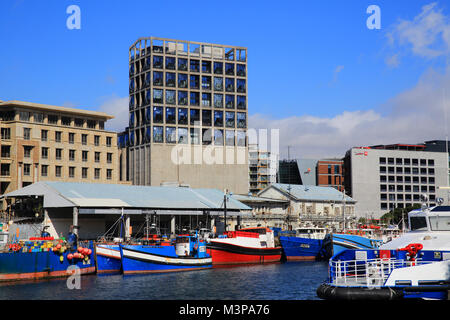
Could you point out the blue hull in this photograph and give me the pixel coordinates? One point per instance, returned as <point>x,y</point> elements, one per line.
<point>343,242</point>
<point>154,259</point>
<point>40,265</point>
<point>297,248</point>
<point>108,258</point>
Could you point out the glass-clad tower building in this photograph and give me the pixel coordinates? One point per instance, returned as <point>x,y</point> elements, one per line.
<point>187,114</point>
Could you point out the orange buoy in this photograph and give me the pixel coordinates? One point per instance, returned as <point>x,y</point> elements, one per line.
<point>81,256</point>
<point>58,246</point>
<point>80,249</point>
<point>85,251</point>
<point>89,251</point>
<point>70,256</point>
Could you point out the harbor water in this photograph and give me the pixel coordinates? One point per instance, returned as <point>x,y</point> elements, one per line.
<point>277,281</point>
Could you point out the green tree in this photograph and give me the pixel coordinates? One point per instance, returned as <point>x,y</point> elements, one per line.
<point>395,216</point>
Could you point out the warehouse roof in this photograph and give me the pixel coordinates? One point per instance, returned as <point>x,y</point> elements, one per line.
<point>95,195</point>
<point>312,193</point>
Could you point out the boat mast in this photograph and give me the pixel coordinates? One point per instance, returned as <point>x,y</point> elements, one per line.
<point>343,213</point>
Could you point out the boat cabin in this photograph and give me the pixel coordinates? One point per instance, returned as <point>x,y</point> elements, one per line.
<point>186,245</point>
<point>430,219</point>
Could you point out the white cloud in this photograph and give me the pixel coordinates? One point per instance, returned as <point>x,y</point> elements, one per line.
<point>117,107</point>
<point>413,116</point>
<point>428,34</point>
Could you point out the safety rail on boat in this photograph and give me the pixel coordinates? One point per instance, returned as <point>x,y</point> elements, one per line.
<point>370,272</point>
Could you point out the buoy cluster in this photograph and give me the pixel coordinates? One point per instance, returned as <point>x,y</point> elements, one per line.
<point>82,253</point>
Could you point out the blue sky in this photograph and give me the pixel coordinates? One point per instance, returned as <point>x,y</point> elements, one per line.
<point>314,58</point>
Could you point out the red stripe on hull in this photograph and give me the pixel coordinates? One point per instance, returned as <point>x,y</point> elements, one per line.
<point>42,275</point>
<point>300,258</point>
<point>223,257</point>
<point>163,270</point>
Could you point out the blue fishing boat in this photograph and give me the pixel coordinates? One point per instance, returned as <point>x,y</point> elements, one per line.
<point>187,253</point>
<point>414,265</point>
<point>354,239</point>
<point>107,258</point>
<point>310,243</point>
<point>44,257</point>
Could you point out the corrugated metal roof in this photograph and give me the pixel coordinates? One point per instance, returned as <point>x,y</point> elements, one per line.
<point>306,192</point>
<point>117,195</point>
<point>241,197</point>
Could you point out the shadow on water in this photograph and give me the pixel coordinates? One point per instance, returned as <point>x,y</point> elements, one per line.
<point>275,281</point>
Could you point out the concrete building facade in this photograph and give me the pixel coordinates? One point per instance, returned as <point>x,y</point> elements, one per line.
<point>188,114</point>
<point>41,142</point>
<point>382,178</point>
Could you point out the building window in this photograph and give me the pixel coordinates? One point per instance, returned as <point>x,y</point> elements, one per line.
<point>157,96</point>
<point>72,155</point>
<point>241,120</point>
<point>182,80</point>
<point>157,62</point>
<point>206,66</point>
<point>218,137</point>
<point>44,170</point>
<point>84,139</point>
<point>206,99</point>
<point>109,157</point>
<point>218,100</point>
<point>229,137</point>
<point>97,156</point>
<point>241,88</point>
<point>108,174</point>
<point>170,115</point>
<point>206,117</point>
<point>58,154</point>
<point>194,65</point>
<point>71,137</point>
<point>79,122</point>
<point>96,141</point>
<point>171,136</point>
<point>157,114</point>
<point>84,173</point>
<point>218,118</point>
<point>218,84</point>
<point>58,170</point>
<point>170,63</point>
<point>218,67</point>
<point>229,84</point>
<point>229,101</point>
<point>26,169</point>
<point>240,70</point>
<point>240,137</point>
<point>44,153</point>
<point>24,116</point>
<point>158,134</point>
<point>182,135</point>
<point>206,83</point>
<point>108,141</point>
<point>38,117</point>
<point>229,69</point>
<point>195,136</point>
<point>206,136</point>
<point>27,151</point>
<point>58,135</point>
<point>182,116</point>
<point>5,169</point>
<point>229,119</point>
<point>65,121</point>
<point>26,133</point>
<point>182,64</point>
<point>194,98</point>
<point>6,133</point>
<point>84,156</point>
<point>6,151</point>
<point>71,172</point>
<point>195,117</point>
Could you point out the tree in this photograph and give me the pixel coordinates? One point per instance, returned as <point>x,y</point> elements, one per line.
<point>396,215</point>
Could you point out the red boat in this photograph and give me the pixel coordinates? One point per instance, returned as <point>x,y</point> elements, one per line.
<point>249,245</point>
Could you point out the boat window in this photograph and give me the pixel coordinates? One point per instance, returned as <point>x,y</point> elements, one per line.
<point>418,223</point>
<point>182,240</point>
<point>440,223</point>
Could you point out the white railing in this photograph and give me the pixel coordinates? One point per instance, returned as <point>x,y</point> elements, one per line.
<point>370,272</point>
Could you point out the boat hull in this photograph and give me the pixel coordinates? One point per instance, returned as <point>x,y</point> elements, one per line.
<point>16,266</point>
<point>341,242</point>
<point>298,249</point>
<point>224,253</point>
<point>157,259</point>
<point>108,259</point>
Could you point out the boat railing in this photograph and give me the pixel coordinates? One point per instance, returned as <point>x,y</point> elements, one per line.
<point>370,272</point>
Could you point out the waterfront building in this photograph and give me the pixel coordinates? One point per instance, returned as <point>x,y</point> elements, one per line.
<point>384,177</point>
<point>188,111</point>
<point>41,142</point>
<point>95,208</point>
<point>322,206</point>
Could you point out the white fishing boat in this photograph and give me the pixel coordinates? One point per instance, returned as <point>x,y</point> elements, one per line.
<point>414,265</point>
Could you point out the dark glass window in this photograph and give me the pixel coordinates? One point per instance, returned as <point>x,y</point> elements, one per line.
<point>218,84</point>
<point>241,85</point>
<point>194,65</point>
<point>229,84</point>
<point>229,69</point>
<point>218,100</point>
<point>195,117</point>
<point>206,82</point>
<point>182,116</point>
<point>157,96</point>
<point>206,117</point>
<point>158,134</point>
<point>229,119</point>
<point>157,114</point>
<point>218,67</point>
<point>171,135</point>
<point>240,70</point>
<point>170,79</point>
<point>194,98</point>
<point>157,62</point>
<point>206,66</point>
<point>229,101</point>
<point>194,82</point>
<point>182,64</point>
<point>170,96</point>
<point>182,80</point>
<point>170,115</point>
<point>182,98</point>
<point>241,120</point>
<point>241,103</point>
<point>182,135</point>
<point>170,63</point>
<point>218,118</point>
<point>158,78</point>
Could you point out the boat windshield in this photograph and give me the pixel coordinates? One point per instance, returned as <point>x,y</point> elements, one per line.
<point>182,239</point>
<point>440,223</point>
<point>418,223</point>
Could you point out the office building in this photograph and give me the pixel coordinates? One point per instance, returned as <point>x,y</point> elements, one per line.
<point>385,177</point>
<point>41,142</point>
<point>188,114</point>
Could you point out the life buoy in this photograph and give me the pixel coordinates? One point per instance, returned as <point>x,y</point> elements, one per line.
<point>14,247</point>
